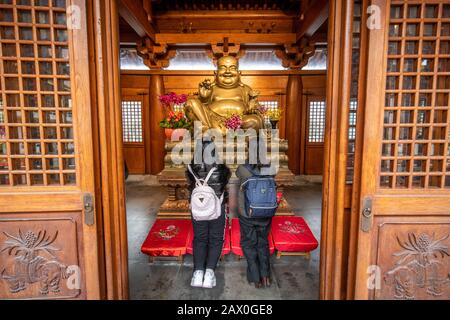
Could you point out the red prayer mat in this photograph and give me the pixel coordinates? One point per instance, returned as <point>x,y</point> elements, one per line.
<point>292,234</point>
<point>236,239</point>
<point>168,237</point>
<point>226,243</point>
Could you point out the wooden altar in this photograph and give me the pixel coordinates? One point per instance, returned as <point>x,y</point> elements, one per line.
<point>173,177</point>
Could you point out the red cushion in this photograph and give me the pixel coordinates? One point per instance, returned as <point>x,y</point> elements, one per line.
<point>236,239</point>
<point>167,237</point>
<point>292,234</point>
<point>226,243</point>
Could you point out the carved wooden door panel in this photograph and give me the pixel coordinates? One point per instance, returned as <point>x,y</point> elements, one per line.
<point>48,241</point>
<point>404,231</point>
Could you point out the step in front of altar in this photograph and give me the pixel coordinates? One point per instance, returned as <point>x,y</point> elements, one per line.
<point>179,209</point>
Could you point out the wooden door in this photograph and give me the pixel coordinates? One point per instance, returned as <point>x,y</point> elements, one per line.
<point>404,227</point>
<point>48,238</point>
<point>135,132</point>
<point>315,135</point>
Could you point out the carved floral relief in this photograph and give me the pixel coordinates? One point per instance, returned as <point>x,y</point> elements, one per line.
<point>34,261</point>
<point>421,264</point>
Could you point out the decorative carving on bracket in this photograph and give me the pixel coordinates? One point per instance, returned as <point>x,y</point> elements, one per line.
<point>421,265</point>
<point>186,27</point>
<point>225,48</point>
<point>155,56</point>
<point>262,28</point>
<point>296,56</point>
<point>34,262</point>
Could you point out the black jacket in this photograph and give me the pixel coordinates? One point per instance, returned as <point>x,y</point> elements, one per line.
<point>218,180</point>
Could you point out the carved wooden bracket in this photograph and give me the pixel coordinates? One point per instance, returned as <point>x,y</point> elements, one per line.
<point>224,49</point>
<point>296,56</point>
<point>155,56</point>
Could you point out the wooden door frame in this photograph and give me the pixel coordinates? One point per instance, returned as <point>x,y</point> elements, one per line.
<point>333,265</point>
<point>110,174</point>
<point>103,22</point>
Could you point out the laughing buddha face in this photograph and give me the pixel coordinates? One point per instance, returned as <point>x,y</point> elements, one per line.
<point>227,74</point>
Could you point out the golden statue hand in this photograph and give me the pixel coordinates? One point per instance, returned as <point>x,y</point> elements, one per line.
<point>205,89</point>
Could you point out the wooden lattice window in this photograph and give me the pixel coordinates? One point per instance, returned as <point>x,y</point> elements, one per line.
<point>132,121</point>
<point>36,131</point>
<point>415,148</point>
<point>316,121</point>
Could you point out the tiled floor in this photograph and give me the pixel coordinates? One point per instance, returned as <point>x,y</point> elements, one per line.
<point>293,277</point>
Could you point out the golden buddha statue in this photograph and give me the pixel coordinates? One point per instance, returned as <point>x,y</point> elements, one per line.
<point>225,96</point>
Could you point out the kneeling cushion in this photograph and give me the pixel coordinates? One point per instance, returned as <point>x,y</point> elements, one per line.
<point>236,239</point>
<point>168,237</point>
<point>292,234</point>
<point>226,242</point>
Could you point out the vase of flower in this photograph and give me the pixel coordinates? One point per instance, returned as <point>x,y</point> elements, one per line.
<point>274,117</point>
<point>168,132</point>
<point>273,123</point>
<point>175,125</point>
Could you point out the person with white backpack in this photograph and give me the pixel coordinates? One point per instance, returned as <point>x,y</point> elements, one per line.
<point>207,184</point>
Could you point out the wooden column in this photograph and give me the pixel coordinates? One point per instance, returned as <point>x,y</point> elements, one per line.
<point>293,120</point>
<point>157,139</point>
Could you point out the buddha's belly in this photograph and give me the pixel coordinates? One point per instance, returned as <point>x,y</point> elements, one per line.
<point>227,106</point>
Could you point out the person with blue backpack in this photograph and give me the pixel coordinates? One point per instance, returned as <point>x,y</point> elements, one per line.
<point>257,206</point>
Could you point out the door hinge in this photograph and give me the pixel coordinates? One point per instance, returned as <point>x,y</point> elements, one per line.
<point>88,205</point>
<point>366,215</point>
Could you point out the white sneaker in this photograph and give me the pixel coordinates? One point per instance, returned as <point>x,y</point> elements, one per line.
<point>197,279</point>
<point>210,279</point>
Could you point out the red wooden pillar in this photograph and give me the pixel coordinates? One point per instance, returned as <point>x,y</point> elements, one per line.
<point>157,139</point>
<point>293,120</point>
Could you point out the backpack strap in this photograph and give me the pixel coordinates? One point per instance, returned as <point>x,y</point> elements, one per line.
<point>205,181</point>
<point>249,168</point>
<point>198,182</point>
<point>201,182</point>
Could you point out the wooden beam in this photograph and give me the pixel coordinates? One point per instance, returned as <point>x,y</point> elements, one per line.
<point>147,4</point>
<point>313,19</point>
<point>134,14</point>
<point>129,37</point>
<point>225,14</point>
<point>241,38</point>
<point>208,73</point>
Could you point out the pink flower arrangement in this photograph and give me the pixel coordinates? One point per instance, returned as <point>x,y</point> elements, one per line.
<point>234,122</point>
<point>171,98</point>
<point>262,109</point>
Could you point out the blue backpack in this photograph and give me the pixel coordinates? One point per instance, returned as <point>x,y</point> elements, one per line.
<point>260,193</point>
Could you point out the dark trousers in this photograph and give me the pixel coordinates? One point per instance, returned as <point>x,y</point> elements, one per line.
<point>208,242</point>
<point>254,243</point>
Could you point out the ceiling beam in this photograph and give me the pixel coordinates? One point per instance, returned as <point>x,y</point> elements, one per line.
<point>133,13</point>
<point>236,38</point>
<point>313,19</point>
<point>225,14</point>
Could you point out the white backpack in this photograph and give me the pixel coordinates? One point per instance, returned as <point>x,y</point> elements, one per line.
<point>205,205</point>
